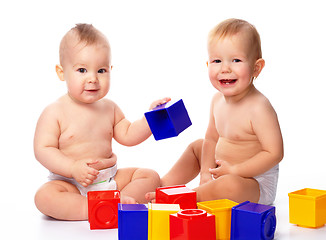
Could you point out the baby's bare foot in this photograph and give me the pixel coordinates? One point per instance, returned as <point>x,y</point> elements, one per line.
<point>127,200</point>
<point>150,196</point>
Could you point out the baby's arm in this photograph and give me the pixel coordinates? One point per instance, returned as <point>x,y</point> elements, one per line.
<point>130,134</point>
<point>266,127</point>
<point>208,151</point>
<point>46,148</point>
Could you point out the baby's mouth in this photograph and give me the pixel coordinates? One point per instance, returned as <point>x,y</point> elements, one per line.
<point>227,81</point>
<point>91,90</point>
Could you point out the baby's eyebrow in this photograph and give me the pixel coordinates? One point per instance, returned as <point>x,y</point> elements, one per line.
<point>79,65</point>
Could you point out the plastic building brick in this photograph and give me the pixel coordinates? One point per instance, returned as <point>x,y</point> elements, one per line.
<point>159,220</point>
<point>192,224</point>
<point>133,221</point>
<point>168,120</point>
<point>103,209</point>
<point>221,208</point>
<point>307,207</point>
<point>251,221</point>
<point>180,194</point>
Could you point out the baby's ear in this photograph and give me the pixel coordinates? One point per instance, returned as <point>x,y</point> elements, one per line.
<point>59,70</point>
<point>259,65</point>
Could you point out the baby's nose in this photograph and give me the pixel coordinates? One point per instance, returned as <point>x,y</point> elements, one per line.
<point>92,79</point>
<point>225,68</point>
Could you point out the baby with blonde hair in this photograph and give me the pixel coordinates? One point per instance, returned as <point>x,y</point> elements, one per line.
<point>238,158</point>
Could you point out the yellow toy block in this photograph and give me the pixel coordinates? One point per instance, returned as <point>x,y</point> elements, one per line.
<point>222,209</point>
<point>159,220</point>
<point>308,207</point>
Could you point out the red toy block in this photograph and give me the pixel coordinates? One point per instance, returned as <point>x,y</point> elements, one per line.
<point>179,194</point>
<point>192,224</point>
<point>103,209</point>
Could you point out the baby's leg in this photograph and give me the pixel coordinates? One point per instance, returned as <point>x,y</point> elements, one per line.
<point>231,187</point>
<point>134,183</point>
<point>184,170</point>
<point>187,167</point>
<point>61,200</point>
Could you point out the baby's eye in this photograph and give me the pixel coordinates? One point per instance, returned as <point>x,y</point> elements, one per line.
<point>102,70</point>
<point>216,61</point>
<point>82,70</point>
<point>236,60</point>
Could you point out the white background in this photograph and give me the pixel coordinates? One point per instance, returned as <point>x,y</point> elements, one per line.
<point>159,49</point>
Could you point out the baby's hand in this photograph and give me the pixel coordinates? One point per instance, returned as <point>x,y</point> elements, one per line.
<point>222,168</point>
<point>83,173</point>
<point>159,102</point>
<point>104,163</point>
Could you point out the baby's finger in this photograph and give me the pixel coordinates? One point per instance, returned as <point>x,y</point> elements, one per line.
<point>92,171</point>
<point>84,183</point>
<point>213,170</point>
<point>165,100</point>
<point>160,102</point>
<point>92,161</point>
<point>218,162</point>
<point>91,177</point>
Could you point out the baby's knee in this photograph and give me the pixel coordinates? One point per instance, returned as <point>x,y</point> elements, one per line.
<point>196,145</point>
<point>148,173</point>
<point>42,198</point>
<point>45,195</point>
<point>231,185</point>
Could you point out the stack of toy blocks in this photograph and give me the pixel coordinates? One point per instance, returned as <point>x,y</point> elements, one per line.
<point>133,221</point>
<point>307,207</point>
<point>103,209</point>
<point>221,209</point>
<point>192,224</point>
<point>159,220</point>
<point>179,194</point>
<point>253,221</point>
<point>168,120</point>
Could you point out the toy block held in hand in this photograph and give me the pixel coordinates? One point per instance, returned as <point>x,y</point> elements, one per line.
<point>159,220</point>
<point>253,221</point>
<point>179,194</point>
<point>221,209</point>
<point>168,120</point>
<point>308,207</point>
<point>192,224</point>
<point>133,221</point>
<point>103,209</point>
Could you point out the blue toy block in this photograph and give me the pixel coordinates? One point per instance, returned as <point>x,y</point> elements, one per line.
<point>168,120</point>
<point>132,221</point>
<point>252,221</point>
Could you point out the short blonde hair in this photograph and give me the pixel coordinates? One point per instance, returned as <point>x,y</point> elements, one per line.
<point>233,26</point>
<point>86,33</point>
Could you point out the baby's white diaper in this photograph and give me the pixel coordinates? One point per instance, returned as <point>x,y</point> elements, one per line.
<point>104,181</point>
<point>268,185</point>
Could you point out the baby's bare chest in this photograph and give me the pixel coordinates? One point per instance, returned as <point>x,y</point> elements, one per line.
<point>83,132</point>
<point>234,123</point>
